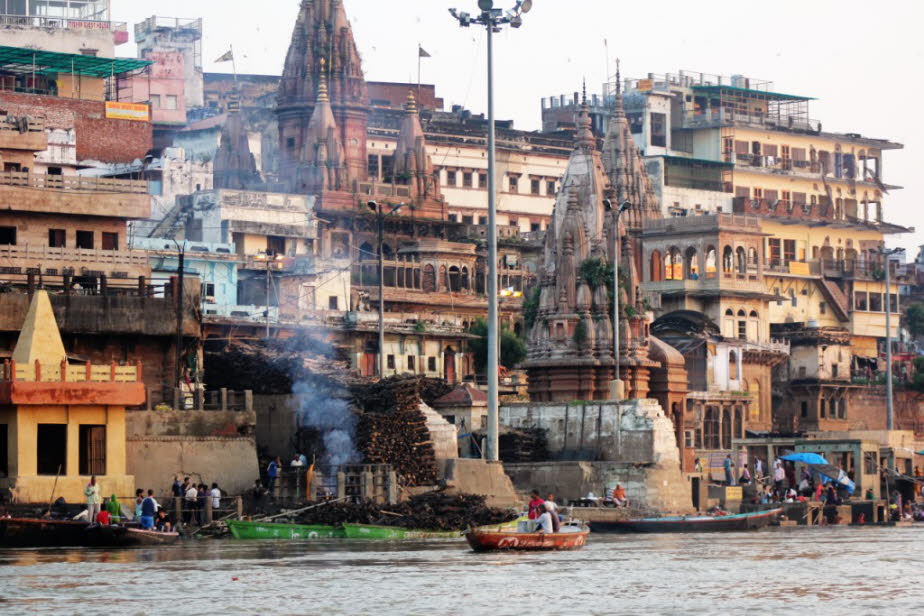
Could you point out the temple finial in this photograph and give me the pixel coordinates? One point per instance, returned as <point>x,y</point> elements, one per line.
<point>584,96</point>
<point>411,104</point>
<point>322,83</point>
<point>618,78</point>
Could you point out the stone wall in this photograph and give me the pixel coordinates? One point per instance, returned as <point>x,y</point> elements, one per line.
<point>204,445</point>
<point>662,488</point>
<point>472,476</point>
<point>635,431</point>
<point>276,424</point>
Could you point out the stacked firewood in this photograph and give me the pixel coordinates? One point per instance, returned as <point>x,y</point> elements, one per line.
<point>392,429</point>
<point>430,511</point>
<point>523,445</point>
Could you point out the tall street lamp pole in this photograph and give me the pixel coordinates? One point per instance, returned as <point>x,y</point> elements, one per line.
<point>375,207</point>
<point>617,393</point>
<point>886,253</point>
<point>492,19</point>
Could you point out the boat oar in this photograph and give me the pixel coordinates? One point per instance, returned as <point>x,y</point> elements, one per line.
<point>51,499</point>
<point>294,511</point>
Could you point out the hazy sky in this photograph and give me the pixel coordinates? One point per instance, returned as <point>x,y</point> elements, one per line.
<point>860,60</point>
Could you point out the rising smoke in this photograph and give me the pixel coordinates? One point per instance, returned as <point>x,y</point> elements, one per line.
<point>323,408</point>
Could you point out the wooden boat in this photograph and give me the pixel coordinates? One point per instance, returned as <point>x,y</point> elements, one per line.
<point>371,531</point>
<point>41,532</point>
<point>491,539</point>
<point>690,524</point>
<point>243,529</point>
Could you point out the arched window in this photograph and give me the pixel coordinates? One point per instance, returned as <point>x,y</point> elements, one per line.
<point>728,260</point>
<point>656,273</point>
<point>673,264</point>
<point>366,252</point>
<point>741,261</point>
<point>454,279</point>
<point>387,252</point>
<point>752,257</point>
<point>465,281</point>
<point>739,422</point>
<point>729,313</point>
<point>711,428</point>
<point>711,263</point>
<point>742,325</point>
<point>691,264</point>
<point>726,429</point>
<point>429,279</point>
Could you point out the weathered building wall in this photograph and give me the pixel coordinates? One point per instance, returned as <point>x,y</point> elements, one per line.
<point>635,431</point>
<point>204,445</point>
<point>98,137</point>
<point>662,488</point>
<point>473,476</point>
<point>276,424</point>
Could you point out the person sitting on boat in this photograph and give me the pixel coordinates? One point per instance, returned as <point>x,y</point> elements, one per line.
<point>550,502</point>
<point>103,518</point>
<point>535,506</point>
<point>619,496</point>
<point>745,478</point>
<point>162,522</point>
<point>547,522</point>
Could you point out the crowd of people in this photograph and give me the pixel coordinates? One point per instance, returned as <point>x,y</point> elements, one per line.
<point>147,511</point>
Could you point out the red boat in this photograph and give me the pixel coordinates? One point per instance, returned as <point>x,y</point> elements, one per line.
<point>486,540</point>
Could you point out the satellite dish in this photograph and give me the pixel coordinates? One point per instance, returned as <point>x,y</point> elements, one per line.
<point>526,6</point>
<point>485,5</point>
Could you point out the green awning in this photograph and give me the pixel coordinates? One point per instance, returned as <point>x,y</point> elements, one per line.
<point>761,94</point>
<point>23,60</point>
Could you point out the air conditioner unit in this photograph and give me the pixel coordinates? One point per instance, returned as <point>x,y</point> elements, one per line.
<point>209,299</point>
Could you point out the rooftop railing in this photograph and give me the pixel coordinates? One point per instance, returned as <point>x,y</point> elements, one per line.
<point>65,373</point>
<point>72,182</point>
<point>62,23</point>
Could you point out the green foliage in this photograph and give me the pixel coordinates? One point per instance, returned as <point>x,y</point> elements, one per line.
<point>420,326</point>
<point>630,311</point>
<point>513,349</point>
<point>914,319</point>
<point>531,307</point>
<point>594,271</point>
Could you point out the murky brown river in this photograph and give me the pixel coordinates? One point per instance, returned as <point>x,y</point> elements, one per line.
<point>824,571</point>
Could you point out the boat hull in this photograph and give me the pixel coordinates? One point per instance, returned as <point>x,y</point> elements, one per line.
<point>38,533</point>
<point>242,529</point>
<point>690,524</point>
<point>371,531</point>
<point>492,540</point>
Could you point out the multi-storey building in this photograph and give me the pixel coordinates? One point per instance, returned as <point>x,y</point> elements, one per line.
<point>735,145</point>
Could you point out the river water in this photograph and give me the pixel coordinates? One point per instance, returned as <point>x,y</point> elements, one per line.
<point>837,570</point>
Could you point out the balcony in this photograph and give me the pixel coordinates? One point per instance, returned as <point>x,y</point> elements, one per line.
<point>815,212</point>
<point>712,283</point>
<point>702,224</point>
<point>21,260</point>
<point>725,116</point>
<point>75,195</point>
<point>119,29</point>
<point>23,133</point>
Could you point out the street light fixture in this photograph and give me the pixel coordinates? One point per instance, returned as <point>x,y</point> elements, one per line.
<point>492,19</point>
<point>617,389</point>
<point>375,207</point>
<point>888,252</point>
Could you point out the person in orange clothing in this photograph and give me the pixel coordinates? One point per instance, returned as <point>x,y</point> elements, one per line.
<point>619,496</point>
<point>104,518</point>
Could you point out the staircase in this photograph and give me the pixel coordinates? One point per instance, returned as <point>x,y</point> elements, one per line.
<point>837,298</point>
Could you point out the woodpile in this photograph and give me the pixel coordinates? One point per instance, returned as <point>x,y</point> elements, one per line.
<point>520,444</point>
<point>392,429</point>
<point>430,511</point>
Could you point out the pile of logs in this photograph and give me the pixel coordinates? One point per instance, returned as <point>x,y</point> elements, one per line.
<point>523,445</point>
<point>430,511</point>
<point>391,429</point>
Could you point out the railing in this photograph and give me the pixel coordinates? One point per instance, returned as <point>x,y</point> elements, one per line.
<point>64,373</point>
<point>385,189</point>
<point>127,258</point>
<point>791,266</point>
<point>72,182</point>
<point>696,184</point>
<point>712,222</point>
<point>23,124</point>
<point>63,23</point>
<point>725,115</point>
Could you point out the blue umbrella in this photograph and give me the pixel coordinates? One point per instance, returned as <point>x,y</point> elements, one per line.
<point>821,466</point>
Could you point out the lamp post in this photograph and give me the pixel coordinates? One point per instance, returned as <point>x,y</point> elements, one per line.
<point>492,19</point>
<point>617,389</point>
<point>888,252</point>
<point>271,262</point>
<point>375,207</point>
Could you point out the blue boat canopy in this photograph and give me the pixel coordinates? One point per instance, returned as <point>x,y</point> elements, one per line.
<point>828,472</point>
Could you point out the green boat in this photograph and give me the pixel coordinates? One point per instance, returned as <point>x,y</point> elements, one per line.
<point>371,531</point>
<point>241,529</point>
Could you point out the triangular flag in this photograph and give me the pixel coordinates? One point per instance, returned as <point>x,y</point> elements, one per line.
<point>228,56</point>
<point>421,52</point>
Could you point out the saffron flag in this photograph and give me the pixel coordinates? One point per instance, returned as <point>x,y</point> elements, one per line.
<point>422,53</point>
<point>228,56</point>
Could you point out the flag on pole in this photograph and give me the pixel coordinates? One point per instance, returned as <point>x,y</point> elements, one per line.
<point>228,56</point>
<point>422,53</point>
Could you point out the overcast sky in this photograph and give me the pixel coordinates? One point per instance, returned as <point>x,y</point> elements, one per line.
<point>861,60</point>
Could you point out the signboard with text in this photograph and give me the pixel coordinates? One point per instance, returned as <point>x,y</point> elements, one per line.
<point>137,112</point>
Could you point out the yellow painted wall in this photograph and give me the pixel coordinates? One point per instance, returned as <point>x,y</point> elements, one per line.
<point>82,87</point>
<point>28,487</point>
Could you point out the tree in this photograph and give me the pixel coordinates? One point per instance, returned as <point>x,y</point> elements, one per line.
<point>531,307</point>
<point>513,349</point>
<point>914,319</point>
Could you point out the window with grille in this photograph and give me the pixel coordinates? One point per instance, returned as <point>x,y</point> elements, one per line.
<point>92,455</point>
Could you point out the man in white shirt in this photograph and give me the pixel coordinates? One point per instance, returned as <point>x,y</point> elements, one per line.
<point>544,522</point>
<point>192,504</point>
<point>216,497</point>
